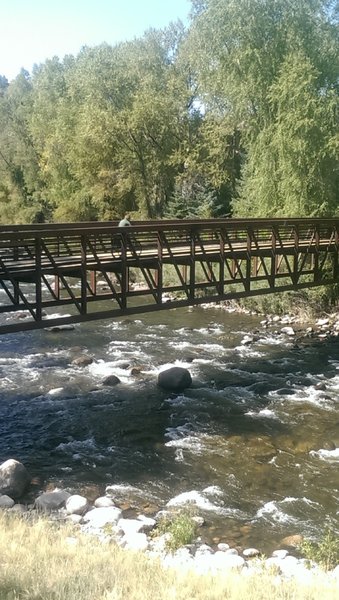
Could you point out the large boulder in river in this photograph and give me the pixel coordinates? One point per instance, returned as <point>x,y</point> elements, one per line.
<point>175,379</point>
<point>14,478</point>
<point>111,380</point>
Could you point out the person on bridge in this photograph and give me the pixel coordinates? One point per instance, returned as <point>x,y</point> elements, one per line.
<point>125,222</point>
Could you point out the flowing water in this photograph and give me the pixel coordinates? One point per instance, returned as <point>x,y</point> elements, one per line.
<point>254,443</point>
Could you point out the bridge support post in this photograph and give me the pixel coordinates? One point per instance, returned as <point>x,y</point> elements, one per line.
<point>192,268</point>
<point>295,275</point>
<point>38,294</point>
<point>316,275</point>
<point>124,271</point>
<point>83,305</point>
<point>335,256</point>
<point>158,271</point>
<point>93,282</point>
<point>273,271</point>
<point>221,286</point>
<point>247,283</point>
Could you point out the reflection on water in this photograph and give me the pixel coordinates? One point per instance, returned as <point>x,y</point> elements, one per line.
<point>254,442</point>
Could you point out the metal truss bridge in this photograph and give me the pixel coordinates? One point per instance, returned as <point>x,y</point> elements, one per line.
<point>96,270</point>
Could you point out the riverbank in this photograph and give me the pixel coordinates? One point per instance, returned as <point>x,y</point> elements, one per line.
<point>40,559</point>
<point>174,535</point>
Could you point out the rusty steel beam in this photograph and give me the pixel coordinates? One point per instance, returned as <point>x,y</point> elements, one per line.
<point>201,260</point>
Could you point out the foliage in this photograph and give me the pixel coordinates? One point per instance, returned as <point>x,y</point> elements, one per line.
<point>192,198</point>
<point>272,67</point>
<point>324,552</point>
<point>181,527</point>
<point>237,113</point>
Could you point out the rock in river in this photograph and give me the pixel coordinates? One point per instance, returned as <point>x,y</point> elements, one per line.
<point>175,379</point>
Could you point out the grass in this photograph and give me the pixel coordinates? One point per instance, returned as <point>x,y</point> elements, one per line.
<point>40,560</point>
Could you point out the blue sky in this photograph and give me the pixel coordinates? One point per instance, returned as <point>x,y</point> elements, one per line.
<point>34,30</point>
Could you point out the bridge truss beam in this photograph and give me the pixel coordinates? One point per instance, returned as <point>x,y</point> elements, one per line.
<point>97,270</point>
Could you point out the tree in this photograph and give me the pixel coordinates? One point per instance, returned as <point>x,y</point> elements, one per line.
<point>259,63</point>
<point>19,169</point>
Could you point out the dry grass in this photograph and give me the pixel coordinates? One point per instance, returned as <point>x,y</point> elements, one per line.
<point>42,561</point>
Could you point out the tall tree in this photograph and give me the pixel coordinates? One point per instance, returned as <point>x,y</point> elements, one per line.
<point>20,196</point>
<point>252,54</point>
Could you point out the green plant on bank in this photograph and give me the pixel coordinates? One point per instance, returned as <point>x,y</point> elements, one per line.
<point>324,552</point>
<point>181,527</point>
<point>305,304</point>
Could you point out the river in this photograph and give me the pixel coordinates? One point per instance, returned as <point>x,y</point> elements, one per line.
<point>254,443</point>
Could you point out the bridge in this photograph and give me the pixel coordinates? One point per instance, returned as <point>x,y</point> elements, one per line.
<point>55,275</point>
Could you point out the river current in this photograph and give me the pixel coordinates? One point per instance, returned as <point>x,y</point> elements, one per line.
<point>254,443</point>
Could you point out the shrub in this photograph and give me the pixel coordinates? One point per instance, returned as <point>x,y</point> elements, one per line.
<point>182,528</point>
<point>324,552</point>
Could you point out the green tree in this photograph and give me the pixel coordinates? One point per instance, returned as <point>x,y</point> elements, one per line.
<point>20,196</point>
<point>260,63</point>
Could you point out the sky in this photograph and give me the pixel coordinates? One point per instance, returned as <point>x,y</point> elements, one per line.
<point>33,30</point>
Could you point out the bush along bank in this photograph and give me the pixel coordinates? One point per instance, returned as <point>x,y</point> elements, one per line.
<point>172,534</point>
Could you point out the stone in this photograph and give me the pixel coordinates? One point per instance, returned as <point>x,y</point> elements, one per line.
<point>135,541</point>
<point>75,519</point>
<point>19,508</point>
<point>203,549</point>
<point>6,502</point>
<point>136,370</point>
<point>82,361</point>
<point>76,505</point>
<point>147,523</point>
<point>14,478</point>
<point>224,561</point>
<point>175,379</point>
<point>321,386</point>
<point>288,331</point>
<point>130,526</point>
<point>49,501</point>
<point>56,328</point>
<point>111,380</point>
<point>99,517</point>
<point>289,565</point>
<point>322,322</point>
<point>251,552</point>
<point>292,540</point>
<point>222,546</point>
<point>198,520</point>
<point>280,553</point>
<point>248,339</point>
<point>103,502</point>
